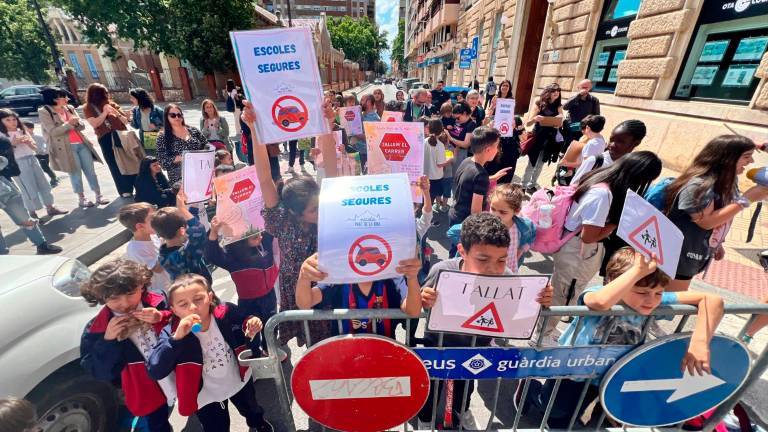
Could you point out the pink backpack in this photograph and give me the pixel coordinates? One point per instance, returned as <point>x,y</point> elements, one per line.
<point>550,239</point>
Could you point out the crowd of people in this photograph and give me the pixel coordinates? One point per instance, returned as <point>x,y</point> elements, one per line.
<point>165,337</point>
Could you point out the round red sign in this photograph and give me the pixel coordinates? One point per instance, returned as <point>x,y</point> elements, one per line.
<point>349,115</point>
<point>289,113</point>
<point>360,383</point>
<point>369,255</point>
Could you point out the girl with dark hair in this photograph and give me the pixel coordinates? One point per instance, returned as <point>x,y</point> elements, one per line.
<point>70,150</point>
<point>290,215</point>
<point>595,212</point>
<point>509,147</point>
<point>546,146</point>
<point>147,118</point>
<point>106,118</point>
<point>31,181</point>
<point>705,198</point>
<point>152,186</point>
<point>175,138</point>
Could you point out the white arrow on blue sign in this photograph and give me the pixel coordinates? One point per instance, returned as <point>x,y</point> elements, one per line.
<point>646,387</point>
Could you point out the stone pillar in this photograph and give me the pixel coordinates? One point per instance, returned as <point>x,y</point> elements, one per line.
<point>185,87</point>
<point>157,84</point>
<point>210,86</point>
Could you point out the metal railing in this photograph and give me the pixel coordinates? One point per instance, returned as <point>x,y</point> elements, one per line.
<point>270,367</point>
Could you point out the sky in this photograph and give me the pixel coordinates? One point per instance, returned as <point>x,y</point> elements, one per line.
<point>386,18</point>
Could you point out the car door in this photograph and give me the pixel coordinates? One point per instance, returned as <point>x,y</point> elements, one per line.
<point>25,99</point>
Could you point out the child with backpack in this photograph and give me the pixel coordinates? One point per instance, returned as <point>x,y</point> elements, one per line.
<point>572,221</point>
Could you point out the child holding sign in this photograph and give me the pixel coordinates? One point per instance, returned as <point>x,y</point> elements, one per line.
<point>483,250</point>
<point>636,283</point>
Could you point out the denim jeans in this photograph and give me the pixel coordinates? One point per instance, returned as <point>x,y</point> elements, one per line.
<point>14,207</point>
<point>83,164</point>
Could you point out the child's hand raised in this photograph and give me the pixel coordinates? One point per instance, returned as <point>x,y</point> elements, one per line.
<point>643,265</point>
<point>310,270</point>
<point>424,184</point>
<point>409,268</point>
<point>185,326</point>
<point>545,296</point>
<point>148,315</point>
<point>696,360</point>
<point>428,297</point>
<point>248,115</point>
<point>252,327</point>
<point>181,199</point>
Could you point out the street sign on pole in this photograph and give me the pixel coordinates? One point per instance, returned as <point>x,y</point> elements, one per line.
<point>475,46</point>
<point>360,383</point>
<point>465,58</point>
<point>646,387</point>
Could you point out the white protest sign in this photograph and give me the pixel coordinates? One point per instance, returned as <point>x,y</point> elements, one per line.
<point>504,117</point>
<point>392,116</point>
<point>239,204</point>
<point>366,226</point>
<point>197,174</point>
<point>351,119</point>
<point>397,147</point>
<point>499,306</point>
<point>346,165</point>
<point>648,231</point>
<point>280,74</point>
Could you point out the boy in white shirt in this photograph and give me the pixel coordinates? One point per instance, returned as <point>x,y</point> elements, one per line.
<point>144,247</point>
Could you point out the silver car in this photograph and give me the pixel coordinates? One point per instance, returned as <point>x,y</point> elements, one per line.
<point>42,317</point>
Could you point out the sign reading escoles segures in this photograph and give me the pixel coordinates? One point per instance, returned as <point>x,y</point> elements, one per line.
<point>279,69</point>
<point>396,147</point>
<point>365,227</point>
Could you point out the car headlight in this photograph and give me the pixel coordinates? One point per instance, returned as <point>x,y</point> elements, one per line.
<point>70,276</point>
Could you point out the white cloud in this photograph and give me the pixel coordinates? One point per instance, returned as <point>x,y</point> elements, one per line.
<point>386,18</point>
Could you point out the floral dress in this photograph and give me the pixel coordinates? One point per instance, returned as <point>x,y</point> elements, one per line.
<point>296,245</point>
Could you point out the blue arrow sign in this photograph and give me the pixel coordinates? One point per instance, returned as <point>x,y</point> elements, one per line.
<point>518,362</point>
<point>647,388</point>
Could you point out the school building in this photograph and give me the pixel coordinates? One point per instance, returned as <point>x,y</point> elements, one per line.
<point>684,67</point>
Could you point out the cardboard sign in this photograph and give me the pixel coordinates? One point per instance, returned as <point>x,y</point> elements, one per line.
<point>351,119</point>
<point>239,204</point>
<point>197,174</point>
<point>392,116</point>
<point>551,122</point>
<point>347,164</point>
<point>366,226</point>
<point>504,117</point>
<point>499,306</point>
<point>649,231</point>
<point>280,73</point>
<point>394,148</point>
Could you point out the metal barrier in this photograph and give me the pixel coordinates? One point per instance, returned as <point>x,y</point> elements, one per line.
<point>270,367</point>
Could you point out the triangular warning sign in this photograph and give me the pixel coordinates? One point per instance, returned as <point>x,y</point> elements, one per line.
<point>209,190</point>
<point>486,319</point>
<point>647,238</point>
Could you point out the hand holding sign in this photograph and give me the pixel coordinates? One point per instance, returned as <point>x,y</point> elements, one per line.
<point>197,174</point>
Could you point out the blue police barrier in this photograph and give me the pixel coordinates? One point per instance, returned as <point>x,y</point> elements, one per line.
<point>517,362</point>
<point>648,388</point>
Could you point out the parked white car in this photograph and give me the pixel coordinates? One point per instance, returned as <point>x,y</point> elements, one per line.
<point>42,316</point>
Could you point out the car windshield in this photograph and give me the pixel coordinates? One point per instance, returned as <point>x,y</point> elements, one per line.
<point>6,92</point>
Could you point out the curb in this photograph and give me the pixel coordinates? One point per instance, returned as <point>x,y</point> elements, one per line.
<point>92,251</point>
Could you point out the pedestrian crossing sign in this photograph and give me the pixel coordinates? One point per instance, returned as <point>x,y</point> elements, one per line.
<point>647,238</point>
<point>486,319</point>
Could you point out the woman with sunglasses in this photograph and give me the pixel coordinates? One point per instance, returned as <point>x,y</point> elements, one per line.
<point>546,147</point>
<point>175,138</point>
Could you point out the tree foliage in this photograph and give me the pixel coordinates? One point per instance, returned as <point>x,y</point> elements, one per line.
<point>24,53</point>
<point>359,38</point>
<point>194,30</point>
<point>398,46</point>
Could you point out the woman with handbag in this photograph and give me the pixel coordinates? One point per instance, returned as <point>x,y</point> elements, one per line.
<point>107,119</point>
<point>214,127</point>
<point>705,198</point>
<point>175,138</point>
<point>147,118</point>
<point>70,150</point>
<point>547,116</point>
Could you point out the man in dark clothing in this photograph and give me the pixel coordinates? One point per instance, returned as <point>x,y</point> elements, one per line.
<point>439,95</point>
<point>417,107</point>
<point>579,106</point>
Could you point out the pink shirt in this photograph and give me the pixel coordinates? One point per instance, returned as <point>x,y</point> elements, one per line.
<point>74,137</point>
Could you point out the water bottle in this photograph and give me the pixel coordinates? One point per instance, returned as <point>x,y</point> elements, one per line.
<point>545,216</point>
<point>759,175</point>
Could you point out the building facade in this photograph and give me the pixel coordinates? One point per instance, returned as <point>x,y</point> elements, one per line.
<point>336,72</point>
<point>690,69</point>
<point>431,38</point>
<point>312,9</point>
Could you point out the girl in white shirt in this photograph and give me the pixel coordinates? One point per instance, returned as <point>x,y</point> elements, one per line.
<point>435,160</point>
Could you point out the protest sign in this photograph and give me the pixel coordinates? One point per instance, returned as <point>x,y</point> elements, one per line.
<point>347,164</point>
<point>279,71</point>
<point>504,117</point>
<point>197,173</point>
<point>365,227</point>
<point>239,204</point>
<point>499,306</point>
<point>649,231</point>
<point>392,116</point>
<point>351,120</point>
<point>396,147</point>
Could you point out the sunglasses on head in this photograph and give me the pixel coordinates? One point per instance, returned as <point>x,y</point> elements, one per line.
<point>174,115</point>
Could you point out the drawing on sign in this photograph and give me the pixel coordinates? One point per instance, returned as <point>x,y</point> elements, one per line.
<point>647,237</point>
<point>486,319</point>
<point>394,146</point>
<point>369,255</point>
<point>688,385</point>
<point>349,115</point>
<point>504,128</point>
<point>290,110</point>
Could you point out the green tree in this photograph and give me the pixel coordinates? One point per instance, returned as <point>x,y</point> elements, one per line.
<point>194,30</point>
<point>24,53</point>
<point>398,46</point>
<point>359,38</point>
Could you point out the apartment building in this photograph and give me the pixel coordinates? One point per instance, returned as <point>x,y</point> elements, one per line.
<point>313,8</point>
<point>431,38</point>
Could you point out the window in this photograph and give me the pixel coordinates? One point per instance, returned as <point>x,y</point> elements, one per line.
<point>611,43</point>
<point>724,53</point>
<point>91,66</point>
<point>76,65</point>
<point>495,43</point>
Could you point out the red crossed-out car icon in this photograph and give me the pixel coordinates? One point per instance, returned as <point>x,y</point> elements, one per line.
<point>291,114</point>
<point>368,254</point>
